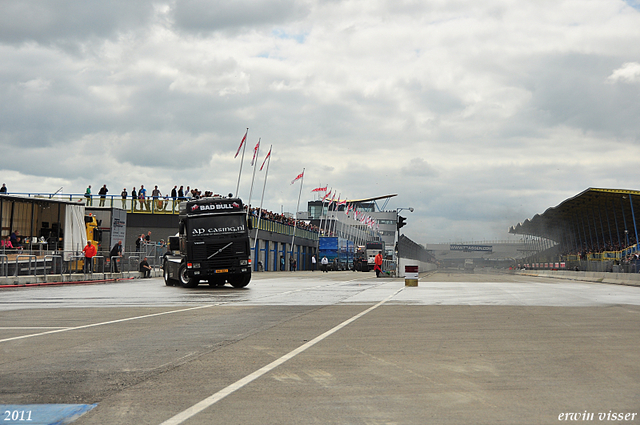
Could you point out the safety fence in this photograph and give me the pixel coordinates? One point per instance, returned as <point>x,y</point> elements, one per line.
<point>70,263</point>
<point>411,250</point>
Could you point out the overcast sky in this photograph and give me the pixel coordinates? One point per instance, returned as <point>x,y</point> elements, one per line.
<point>477,114</point>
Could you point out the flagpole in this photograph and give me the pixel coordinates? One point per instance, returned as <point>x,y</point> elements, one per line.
<point>326,219</point>
<point>321,216</point>
<point>335,222</point>
<point>266,173</point>
<point>255,165</point>
<point>295,217</point>
<point>244,145</point>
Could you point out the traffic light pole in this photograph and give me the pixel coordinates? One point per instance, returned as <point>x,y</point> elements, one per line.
<point>400,222</point>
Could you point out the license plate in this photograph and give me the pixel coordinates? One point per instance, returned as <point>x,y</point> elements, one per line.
<point>222,271</point>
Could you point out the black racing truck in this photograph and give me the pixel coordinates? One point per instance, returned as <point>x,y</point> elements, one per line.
<point>212,245</point>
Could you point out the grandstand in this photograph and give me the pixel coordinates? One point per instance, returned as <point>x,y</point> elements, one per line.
<point>596,230</point>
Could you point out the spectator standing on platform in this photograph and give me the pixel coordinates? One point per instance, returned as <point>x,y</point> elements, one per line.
<point>134,198</point>
<point>89,251</point>
<point>116,251</point>
<point>174,197</point>
<point>142,194</point>
<point>145,268</point>
<point>124,195</point>
<point>180,193</point>
<point>139,242</point>
<point>87,194</point>
<point>174,192</point>
<point>313,263</point>
<point>103,194</point>
<point>3,189</point>
<point>155,194</point>
<point>147,238</point>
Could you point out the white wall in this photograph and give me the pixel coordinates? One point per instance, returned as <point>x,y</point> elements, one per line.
<point>422,267</point>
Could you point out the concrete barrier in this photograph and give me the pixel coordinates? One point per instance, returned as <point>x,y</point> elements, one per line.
<point>632,279</point>
<point>422,266</point>
<point>411,275</point>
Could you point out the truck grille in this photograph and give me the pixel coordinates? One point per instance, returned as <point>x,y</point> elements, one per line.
<point>228,257</point>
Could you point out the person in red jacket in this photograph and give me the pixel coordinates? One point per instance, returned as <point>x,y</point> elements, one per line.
<point>377,264</point>
<point>90,251</point>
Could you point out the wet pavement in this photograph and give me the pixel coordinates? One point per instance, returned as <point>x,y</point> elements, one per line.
<point>336,348</point>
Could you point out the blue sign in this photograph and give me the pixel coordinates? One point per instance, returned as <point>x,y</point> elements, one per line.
<point>42,414</point>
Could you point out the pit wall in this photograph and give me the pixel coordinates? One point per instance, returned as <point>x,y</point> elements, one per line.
<point>422,266</point>
<point>632,279</point>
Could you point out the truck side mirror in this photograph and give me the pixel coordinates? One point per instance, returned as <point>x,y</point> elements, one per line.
<point>174,243</point>
<point>181,227</point>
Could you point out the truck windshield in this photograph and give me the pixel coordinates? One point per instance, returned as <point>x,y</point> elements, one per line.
<point>216,225</point>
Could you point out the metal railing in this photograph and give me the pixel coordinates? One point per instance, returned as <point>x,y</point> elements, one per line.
<point>54,263</point>
<point>4,263</point>
<point>53,258</point>
<point>30,257</point>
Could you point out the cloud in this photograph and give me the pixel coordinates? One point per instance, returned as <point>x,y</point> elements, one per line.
<point>479,115</point>
<point>69,20</point>
<point>627,73</point>
<point>208,16</point>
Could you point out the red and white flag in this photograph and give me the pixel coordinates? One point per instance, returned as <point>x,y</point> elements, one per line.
<point>298,177</point>
<point>320,189</point>
<point>255,152</point>
<point>326,195</point>
<point>244,139</point>
<point>265,159</point>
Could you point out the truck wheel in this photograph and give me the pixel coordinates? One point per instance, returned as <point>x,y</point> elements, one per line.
<point>185,280</point>
<point>165,272</point>
<point>240,281</point>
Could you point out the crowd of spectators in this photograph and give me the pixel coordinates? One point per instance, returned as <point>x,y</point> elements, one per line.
<point>280,218</point>
<point>584,250</point>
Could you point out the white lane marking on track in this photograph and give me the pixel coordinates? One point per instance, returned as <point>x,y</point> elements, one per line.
<point>66,329</point>
<point>92,325</point>
<point>214,398</point>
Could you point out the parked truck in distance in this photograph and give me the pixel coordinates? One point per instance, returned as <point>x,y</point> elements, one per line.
<point>339,252</point>
<point>212,245</point>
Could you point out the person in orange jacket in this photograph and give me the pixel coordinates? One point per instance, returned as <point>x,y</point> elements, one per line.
<point>90,251</point>
<point>378,264</point>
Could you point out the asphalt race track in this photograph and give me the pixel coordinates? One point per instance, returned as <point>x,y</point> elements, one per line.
<point>333,348</point>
